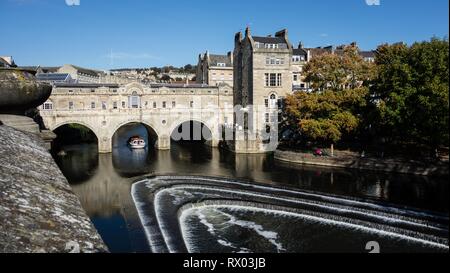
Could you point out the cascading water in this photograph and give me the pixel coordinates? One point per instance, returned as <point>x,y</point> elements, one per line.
<point>201,214</point>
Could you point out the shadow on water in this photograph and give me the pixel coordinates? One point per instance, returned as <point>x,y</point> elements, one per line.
<point>103,182</point>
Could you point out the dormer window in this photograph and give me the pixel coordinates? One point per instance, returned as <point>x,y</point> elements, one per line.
<point>271,46</point>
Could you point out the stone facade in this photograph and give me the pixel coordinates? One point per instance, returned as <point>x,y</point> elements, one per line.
<point>105,108</point>
<point>262,78</point>
<point>213,69</point>
<point>299,60</point>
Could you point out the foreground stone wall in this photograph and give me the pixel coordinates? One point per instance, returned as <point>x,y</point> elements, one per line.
<point>38,210</point>
<point>354,162</point>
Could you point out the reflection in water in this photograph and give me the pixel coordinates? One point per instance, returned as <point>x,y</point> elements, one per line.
<point>103,182</point>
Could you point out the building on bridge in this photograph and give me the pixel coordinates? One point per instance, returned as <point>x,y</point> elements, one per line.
<point>214,69</point>
<point>262,78</point>
<point>161,108</point>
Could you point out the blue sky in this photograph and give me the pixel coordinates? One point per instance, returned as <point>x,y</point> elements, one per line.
<point>144,33</point>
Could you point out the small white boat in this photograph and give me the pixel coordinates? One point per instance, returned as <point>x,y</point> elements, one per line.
<point>137,143</point>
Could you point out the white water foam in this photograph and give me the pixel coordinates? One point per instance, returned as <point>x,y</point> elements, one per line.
<point>189,211</point>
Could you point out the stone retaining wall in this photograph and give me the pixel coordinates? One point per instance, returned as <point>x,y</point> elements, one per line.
<point>38,210</point>
<point>375,164</point>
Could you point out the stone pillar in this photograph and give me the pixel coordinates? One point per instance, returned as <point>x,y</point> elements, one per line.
<point>163,143</point>
<point>104,145</point>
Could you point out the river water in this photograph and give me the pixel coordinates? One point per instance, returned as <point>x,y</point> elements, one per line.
<point>103,183</point>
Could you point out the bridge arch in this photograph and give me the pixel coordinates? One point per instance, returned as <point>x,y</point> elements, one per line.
<point>69,135</point>
<point>79,122</point>
<point>206,135</point>
<point>153,134</point>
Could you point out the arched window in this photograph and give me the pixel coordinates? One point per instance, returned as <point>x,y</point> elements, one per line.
<point>273,101</point>
<point>48,105</point>
<point>134,100</point>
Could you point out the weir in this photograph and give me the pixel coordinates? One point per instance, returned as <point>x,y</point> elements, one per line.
<point>200,214</point>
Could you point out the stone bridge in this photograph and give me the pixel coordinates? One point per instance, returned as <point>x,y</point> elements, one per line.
<point>161,108</point>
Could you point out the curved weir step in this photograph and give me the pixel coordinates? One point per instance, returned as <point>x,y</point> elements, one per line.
<point>178,212</point>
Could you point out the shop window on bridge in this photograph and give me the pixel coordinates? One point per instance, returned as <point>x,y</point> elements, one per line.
<point>124,104</point>
<point>115,105</point>
<point>154,105</point>
<point>48,106</point>
<point>134,100</point>
<point>104,106</point>
<point>164,104</point>
<point>70,105</point>
<point>174,104</point>
<point>92,105</point>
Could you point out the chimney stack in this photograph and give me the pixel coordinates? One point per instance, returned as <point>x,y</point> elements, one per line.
<point>247,32</point>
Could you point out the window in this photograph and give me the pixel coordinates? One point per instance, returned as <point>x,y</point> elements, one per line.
<point>271,46</point>
<point>104,105</point>
<point>174,104</point>
<point>221,64</point>
<point>295,77</point>
<point>71,105</point>
<point>92,90</point>
<point>154,105</point>
<point>266,103</point>
<point>272,79</point>
<point>192,104</point>
<point>273,101</point>
<point>124,104</point>
<point>267,117</point>
<point>70,91</point>
<point>48,105</point>
<point>115,105</point>
<point>135,100</point>
<point>164,104</point>
<point>92,105</point>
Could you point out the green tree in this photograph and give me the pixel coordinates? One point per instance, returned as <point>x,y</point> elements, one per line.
<point>410,93</point>
<point>336,71</point>
<point>325,117</point>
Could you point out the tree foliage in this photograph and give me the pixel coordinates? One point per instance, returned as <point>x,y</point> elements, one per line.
<point>336,71</point>
<point>411,92</point>
<point>326,116</point>
<point>404,97</point>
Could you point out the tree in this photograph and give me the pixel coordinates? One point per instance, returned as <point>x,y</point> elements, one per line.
<point>325,117</point>
<point>411,93</point>
<point>335,71</point>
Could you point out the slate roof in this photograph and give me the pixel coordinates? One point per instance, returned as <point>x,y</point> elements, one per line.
<point>269,40</point>
<point>299,52</point>
<point>52,77</point>
<point>86,85</point>
<point>367,54</point>
<point>214,59</point>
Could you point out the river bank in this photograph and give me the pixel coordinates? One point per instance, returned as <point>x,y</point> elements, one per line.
<point>38,210</point>
<point>353,161</point>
